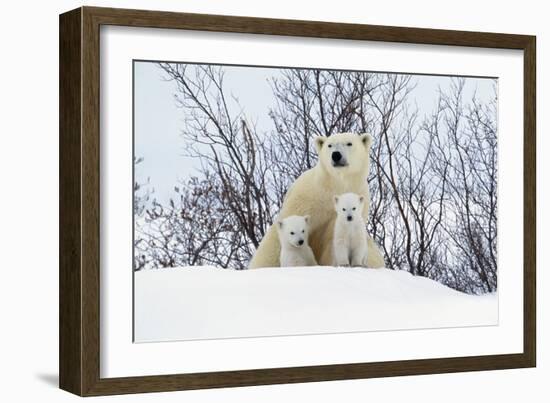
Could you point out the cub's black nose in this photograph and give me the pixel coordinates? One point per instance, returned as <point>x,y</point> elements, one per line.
<point>301,242</point>
<point>350,218</point>
<point>336,156</point>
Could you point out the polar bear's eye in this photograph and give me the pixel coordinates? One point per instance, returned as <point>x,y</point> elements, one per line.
<point>330,146</point>
<point>353,209</point>
<point>349,144</point>
<point>291,232</point>
<point>344,209</point>
<point>302,231</point>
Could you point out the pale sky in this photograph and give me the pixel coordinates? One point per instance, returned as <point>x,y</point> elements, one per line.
<point>158,122</point>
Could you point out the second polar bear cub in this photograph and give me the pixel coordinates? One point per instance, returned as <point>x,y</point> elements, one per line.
<point>293,237</point>
<point>350,231</point>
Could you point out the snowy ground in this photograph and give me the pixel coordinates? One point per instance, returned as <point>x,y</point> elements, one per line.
<point>208,303</point>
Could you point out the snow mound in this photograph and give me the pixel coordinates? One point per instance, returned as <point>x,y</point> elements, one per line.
<point>211,303</point>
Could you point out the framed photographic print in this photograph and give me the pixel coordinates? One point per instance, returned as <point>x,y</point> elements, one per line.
<point>249,201</point>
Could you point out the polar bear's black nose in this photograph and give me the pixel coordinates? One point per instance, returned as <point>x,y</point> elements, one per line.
<point>350,218</point>
<point>336,156</point>
<point>301,242</point>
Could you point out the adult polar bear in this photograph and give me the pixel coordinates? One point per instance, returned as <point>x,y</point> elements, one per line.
<point>343,167</point>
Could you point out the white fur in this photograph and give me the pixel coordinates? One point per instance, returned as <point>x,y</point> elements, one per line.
<point>313,192</point>
<point>350,231</point>
<point>294,230</point>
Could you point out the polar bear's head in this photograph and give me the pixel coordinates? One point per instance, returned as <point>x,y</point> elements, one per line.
<point>294,230</point>
<point>349,207</point>
<point>344,153</point>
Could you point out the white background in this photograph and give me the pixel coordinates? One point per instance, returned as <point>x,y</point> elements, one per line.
<point>120,357</point>
<point>29,199</point>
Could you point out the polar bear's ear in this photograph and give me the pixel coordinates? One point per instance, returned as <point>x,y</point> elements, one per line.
<point>335,199</point>
<point>319,141</point>
<point>361,199</point>
<point>306,218</point>
<point>280,224</point>
<point>366,139</point>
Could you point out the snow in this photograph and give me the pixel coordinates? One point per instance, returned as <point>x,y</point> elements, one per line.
<point>211,303</point>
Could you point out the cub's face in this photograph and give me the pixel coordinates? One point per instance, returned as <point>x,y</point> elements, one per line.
<point>344,152</point>
<point>349,207</point>
<point>293,230</point>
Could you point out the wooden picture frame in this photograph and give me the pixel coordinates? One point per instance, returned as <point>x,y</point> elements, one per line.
<point>79,317</point>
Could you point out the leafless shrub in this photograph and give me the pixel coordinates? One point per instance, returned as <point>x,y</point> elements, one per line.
<point>433,178</point>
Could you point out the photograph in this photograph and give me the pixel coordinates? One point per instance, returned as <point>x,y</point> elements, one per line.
<point>247,200</point>
<point>286,201</point>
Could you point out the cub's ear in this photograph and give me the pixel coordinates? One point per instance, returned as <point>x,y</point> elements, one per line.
<point>335,199</point>
<point>306,218</point>
<point>280,224</point>
<point>366,139</point>
<point>361,199</point>
<point>319,141</point>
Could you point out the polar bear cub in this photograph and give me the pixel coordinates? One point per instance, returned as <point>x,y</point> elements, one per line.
<point>293,237</point>
<point>350,232</point>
